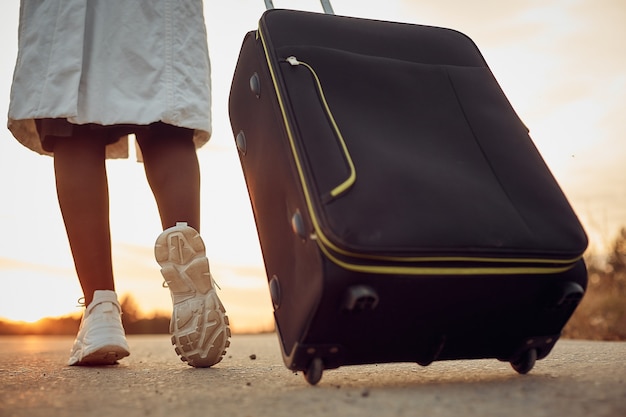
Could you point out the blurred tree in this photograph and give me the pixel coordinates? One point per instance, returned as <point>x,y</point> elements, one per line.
<point>136,323</point>
<point>130,310</point>
<point>133,321</point>
<point>617,258</point>
<point>602,313</point>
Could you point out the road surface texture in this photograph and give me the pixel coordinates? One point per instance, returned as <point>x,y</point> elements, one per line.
<point>579,378</point>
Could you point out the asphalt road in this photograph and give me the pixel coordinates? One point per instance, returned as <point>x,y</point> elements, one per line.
<point>579,378</point>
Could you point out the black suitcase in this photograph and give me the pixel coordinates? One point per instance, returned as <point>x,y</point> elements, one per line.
<point>403,212</point>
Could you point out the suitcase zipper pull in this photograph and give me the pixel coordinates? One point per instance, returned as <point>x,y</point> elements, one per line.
<point>293,61</point>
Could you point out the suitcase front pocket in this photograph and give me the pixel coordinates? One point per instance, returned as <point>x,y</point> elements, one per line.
<point>423,182</point>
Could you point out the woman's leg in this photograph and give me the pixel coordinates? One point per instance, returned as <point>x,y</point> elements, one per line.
<point>82,190</point>
<point>199,325</point>
<point>172,170</point>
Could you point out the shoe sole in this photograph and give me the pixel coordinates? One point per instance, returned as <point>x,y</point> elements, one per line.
<point>105,355</point>
<point>199,325</point>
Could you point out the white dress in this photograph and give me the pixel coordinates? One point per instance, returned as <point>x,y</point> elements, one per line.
<point>111,62</point>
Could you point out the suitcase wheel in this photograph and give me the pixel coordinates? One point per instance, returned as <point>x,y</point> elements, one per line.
<point>525,362</point>
<point>314,372</point>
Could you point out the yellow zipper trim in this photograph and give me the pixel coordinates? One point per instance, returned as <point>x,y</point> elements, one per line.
<point>344,186</point>
<point>326,245</point>
<point>433,270</point>
<point>464,259</point>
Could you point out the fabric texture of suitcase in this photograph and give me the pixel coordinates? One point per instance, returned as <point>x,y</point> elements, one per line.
<point>403,212</point>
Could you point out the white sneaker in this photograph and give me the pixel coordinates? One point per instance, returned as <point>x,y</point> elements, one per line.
<point>101,339</point>
<point>199,326</point>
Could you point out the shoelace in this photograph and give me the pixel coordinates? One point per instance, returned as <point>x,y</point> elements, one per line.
<point>81,303</point>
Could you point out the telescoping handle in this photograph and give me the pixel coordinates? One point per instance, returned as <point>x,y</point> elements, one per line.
<point>328,8</point>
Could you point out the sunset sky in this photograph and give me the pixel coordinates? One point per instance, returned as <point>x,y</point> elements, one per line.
<point>562,63</point>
